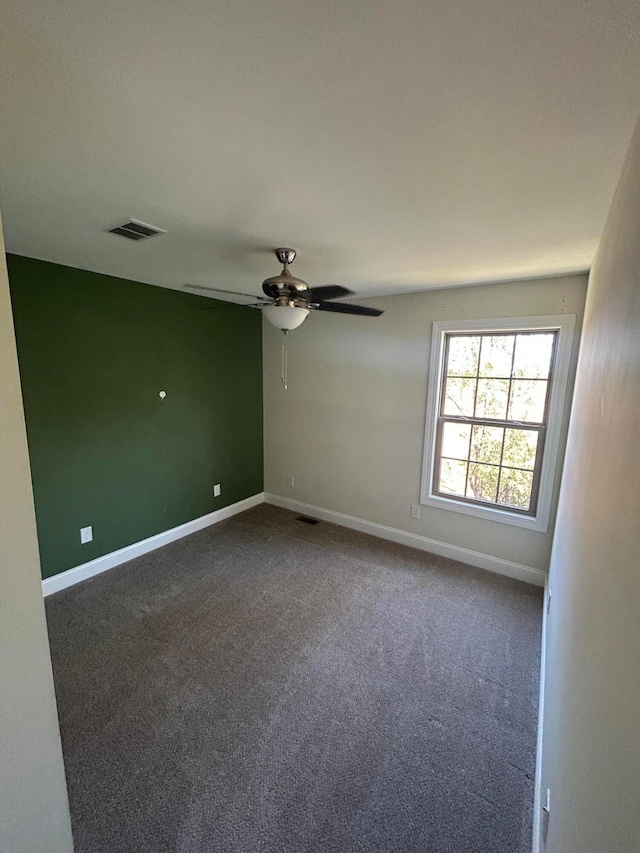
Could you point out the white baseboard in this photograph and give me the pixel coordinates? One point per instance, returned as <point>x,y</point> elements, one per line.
<point>123,555</point>
<point>413,540</point>
<point>537,791</point>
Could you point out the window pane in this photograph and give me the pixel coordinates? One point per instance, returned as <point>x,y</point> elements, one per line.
<point>463,355</point>
<point>455,440</point>
<point>533,355</point>
<point>496,355</point>
<point>491,401</point>
<point>453,476</point>
<point>527,400</point>
<point>486,444</point>
<point>482,482</point>
<point>458,398</point>
<point>515,488</point>
<point>520,447</point>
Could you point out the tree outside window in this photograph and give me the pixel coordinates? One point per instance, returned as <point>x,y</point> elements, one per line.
<point>494,416</point>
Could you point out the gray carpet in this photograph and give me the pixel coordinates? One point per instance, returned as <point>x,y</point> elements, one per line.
<point>265,685</point>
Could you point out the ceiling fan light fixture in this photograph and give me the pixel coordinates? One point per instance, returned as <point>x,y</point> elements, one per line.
<point>285,317</point>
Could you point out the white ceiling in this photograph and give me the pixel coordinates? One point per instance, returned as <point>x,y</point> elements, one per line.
<point>398,146</point>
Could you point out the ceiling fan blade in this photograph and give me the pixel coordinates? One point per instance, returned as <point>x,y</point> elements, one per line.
<point>249,305</point>
<point>327,291</point>
<point>348,308</point>
<point>228,292</point>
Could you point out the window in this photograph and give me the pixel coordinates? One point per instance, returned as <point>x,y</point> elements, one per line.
<point>496,397</point>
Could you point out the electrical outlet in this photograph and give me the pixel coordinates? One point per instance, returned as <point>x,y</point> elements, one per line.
<point>415,511</point>
<point>291,481</point>
<point>86,535</point>
<point>216,490</point>
<point>546,814</point>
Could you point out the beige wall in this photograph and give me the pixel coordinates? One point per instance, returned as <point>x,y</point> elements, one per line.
<point>350,427</point>
<point>34,815</point>
<point>591,743</point>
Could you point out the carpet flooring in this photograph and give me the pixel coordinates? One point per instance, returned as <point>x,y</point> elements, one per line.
<point>266,685</point>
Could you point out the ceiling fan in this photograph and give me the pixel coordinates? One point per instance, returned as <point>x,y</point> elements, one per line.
<point>288,300</point>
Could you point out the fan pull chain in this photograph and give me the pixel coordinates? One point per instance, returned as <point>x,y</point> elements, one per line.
<point>285,365</point>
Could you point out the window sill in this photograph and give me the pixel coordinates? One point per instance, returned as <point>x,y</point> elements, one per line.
<point>489,513</point>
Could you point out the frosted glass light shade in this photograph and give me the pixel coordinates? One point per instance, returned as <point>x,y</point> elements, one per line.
<point>285,317</point>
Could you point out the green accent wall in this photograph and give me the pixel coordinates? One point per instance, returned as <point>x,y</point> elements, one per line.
<point>105,450</point>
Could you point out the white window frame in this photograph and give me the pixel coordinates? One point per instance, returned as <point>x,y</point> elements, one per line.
<point>564,325</point>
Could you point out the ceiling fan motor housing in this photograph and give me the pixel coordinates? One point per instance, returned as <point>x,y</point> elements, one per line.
<point>285,287</point>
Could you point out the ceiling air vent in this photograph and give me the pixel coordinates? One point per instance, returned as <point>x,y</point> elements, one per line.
<point>134,230</point>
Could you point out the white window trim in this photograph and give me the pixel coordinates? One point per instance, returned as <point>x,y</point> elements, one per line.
<point>564,324</point>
